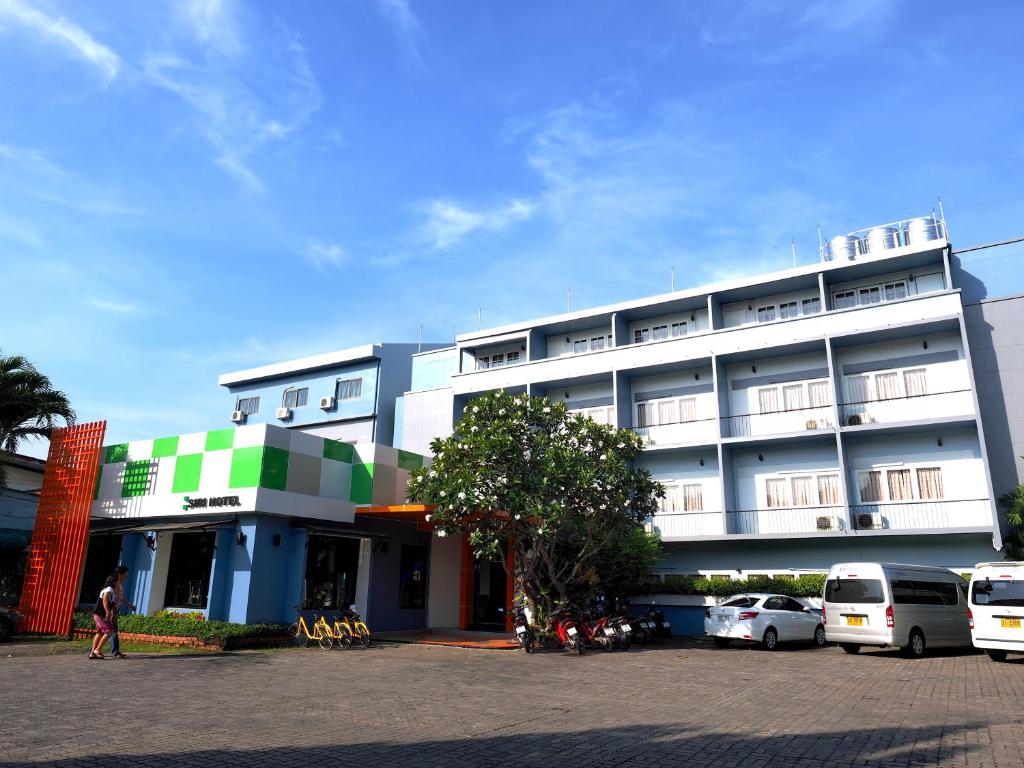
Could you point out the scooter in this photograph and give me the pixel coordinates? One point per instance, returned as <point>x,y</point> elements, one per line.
<point>522,632</point>
<point>567,632</point>
<point>656,617</point>
<point>623,631</point>
<point>597,633</point>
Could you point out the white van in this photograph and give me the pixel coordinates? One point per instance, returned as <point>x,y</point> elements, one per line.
<point>997,608</point>
<point>913,607</point>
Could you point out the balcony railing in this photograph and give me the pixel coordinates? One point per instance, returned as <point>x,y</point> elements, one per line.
<point>778,422</point>
<point>679,524</point>
<point>958,402</point>
<point>787,520</point>
<point>922,515</point>
<point>679,433</point>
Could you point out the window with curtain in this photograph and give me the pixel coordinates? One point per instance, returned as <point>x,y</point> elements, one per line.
<point>803,491</point>
<point>887,385</point>
<point>497,361</point>
<point>929,482</point>
<point>843,299</point>
<point>671,501</point>
<point>870,487</point>
<point>597,343</point>
<point>768,400</point>
<point>776,492</point>
<point>668,412</point>
<point>895,291</point>
<point>857,387</point>
<point>812,306</point>
<point>828,490</point>
<point>793,397</point>
<point>766,314</point>
<point>788,309</point>
<point>659,332</point>
<point>818,392</point>
<point>693,500</point>
<point>870,295</point>
<point>899,485</point>
<point>678,329</point>
<point>688,409</point>
<point>644,415</point>
<point>916,382</point>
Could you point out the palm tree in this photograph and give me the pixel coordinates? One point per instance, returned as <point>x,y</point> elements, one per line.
<point>1013,503</point>
<point>29,406</point>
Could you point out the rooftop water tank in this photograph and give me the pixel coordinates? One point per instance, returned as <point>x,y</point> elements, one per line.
<point>843,247</point>
<point>921,230</point>
<point>880,239</point>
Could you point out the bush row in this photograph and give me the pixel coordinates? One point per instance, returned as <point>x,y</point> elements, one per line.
<point>185,626</point>
<point>805,585</point>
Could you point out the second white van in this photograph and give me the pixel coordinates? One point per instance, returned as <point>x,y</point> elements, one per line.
<point>913,607</point>
<point>997,608</point>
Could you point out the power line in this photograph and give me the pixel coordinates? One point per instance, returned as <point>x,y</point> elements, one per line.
<point>983,246</point>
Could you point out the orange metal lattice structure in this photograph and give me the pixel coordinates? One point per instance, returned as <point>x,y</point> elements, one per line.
<point>62,528</point>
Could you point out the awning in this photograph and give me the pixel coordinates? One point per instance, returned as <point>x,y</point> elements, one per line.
<point>328,528</point>
<point>411,513</point>
<point>183,523</point>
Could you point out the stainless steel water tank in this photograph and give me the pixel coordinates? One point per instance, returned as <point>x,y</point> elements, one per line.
<point>843,247</point>
<point>921,230</point>
<point>880,239</point>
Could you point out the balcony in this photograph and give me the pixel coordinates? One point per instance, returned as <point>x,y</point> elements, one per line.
<point>922,515</point>
<point>787,520</point>
<point>935,405</point>
<point>778,422</point>
<point>695,432</point>
<point>677,525</point>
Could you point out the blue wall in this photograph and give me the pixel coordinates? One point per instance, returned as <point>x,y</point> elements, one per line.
<point>434,369</point>
<point>385,575</point>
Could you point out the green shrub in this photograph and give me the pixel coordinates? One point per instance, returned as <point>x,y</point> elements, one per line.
<point>804,585</point>
<point>169,625</point>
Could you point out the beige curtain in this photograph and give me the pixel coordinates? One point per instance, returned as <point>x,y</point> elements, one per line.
<point>887,385</point>
<point>777,493</point>
<point>899,485</point>
<point>803,491</point>
<point>688,409</point>
<point>818,392</point>
<point>916,382</point>
<point>671,501</point>
<point>644,415</point>
<point>870,487</point>
<point>929,482</point>
<point>692,498</point>
<point>667,413</point>
<point>768,400</point>
<point>793,396</point>
<point>828,490</point>
<point>857,386</point>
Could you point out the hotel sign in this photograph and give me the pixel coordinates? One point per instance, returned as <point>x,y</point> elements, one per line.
<point>191,502</point>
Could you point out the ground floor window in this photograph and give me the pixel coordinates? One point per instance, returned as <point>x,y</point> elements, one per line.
<point>101,558</point>
<point>412,578</point>
<point>332,564</point>
<point>188,573</point>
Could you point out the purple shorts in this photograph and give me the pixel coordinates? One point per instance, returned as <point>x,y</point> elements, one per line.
<point>102,624</point>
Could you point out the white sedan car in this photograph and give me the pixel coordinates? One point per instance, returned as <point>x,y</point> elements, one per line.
<point>765,619</point>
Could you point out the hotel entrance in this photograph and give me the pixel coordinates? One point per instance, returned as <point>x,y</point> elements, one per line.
<point>490,596</point>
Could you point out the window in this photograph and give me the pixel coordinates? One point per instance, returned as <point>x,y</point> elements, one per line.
<point>803,491</point>
<point>497,361</point>
<point>929,482</point>
<point>688,409</point>
<point>412,577</point>
<point>101,558</point>
<point>915,382</point>
<point>870,295</point>
<point>843,299</point>
<point>776,603</point>
<point>887,386</point>
<point>899,485</point>
<point>483,362</point>
<point>793,397</point>
<point>766,314</point>
<point>641,335</point>
<point>857,386</point>
<point>668,412</point>
<point>793,605</point>
<point>659,332</point>
<point>678,329</point>
<point>332,565</point>
<point>248,405</point>
<point>894,291</point>
<point>295,398</point>
<point>512,358</point>
<point>350,389</point>
<point>789,309</point>
<point>645,416</point>
<point>597,343</point>
<point>828,490</point>
<point>693,500</point>
<point>870,487</point>
<point>1002,593</point>
<point>854,591</point>
<point>768,400</point>
<point>670,503</point>
<point>817,392</point>
<point>776,488</point>
<point>919,592</point>
<point>739,602</point>
<point>579,345</point>
<point>188,570</point>
<point>812,306</point>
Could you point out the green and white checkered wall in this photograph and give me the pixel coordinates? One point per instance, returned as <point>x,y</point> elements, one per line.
<point>270,469</point>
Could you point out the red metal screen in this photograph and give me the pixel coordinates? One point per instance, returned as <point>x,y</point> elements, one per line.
<point>62,528</point>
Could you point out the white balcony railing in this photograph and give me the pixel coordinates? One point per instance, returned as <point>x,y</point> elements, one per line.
<point>922,515</point>
<point>671,525</point>
<point>787,520</point>
<point>698,431</point>
<point>777,422</point>
<point>934,405</point>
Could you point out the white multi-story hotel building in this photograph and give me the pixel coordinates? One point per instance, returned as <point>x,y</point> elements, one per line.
<point>799,418</point>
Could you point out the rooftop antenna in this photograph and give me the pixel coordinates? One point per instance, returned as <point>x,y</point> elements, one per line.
<point>942,218</point>
<point>479,316</point>
<point>569,301</point>
<point>792,244</point>
<point>821,242</point>
<point>673,269</point>
<point>419,346</point>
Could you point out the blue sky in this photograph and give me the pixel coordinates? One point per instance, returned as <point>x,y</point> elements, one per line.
<point>189,188</point>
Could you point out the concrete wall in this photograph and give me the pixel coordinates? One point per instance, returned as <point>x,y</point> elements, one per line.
<point>445,580</point>
<point>426,415</point>
<point>385,575</point>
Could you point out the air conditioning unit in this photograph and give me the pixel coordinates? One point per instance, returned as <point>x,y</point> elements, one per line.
<point>827,523</point>
<point>867,520</point>
<point>284,413</point>
<point>238,417</point>
<point>327,403</point>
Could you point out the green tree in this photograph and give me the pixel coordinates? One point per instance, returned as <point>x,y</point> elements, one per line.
<point>1013,511</point>
<point>558,487</point>
<point>29,407</point>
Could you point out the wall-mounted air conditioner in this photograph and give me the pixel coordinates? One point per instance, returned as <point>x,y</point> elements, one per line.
<point>238,417</point>
<point>327,403</point>
<point>827,523</point>
<point>284,413</point>
<point>868,520</point>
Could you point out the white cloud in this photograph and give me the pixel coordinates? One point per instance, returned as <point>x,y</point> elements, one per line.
<point>64,33</point>
<point>447,222</point>
<point>325,256</point>
<point>406,25</point>
<point>117,307</point>
<point>213,24</point>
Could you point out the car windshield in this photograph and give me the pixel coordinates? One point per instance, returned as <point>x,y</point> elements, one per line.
<point>741,601</point>
<point>999,592</point>
<point>854,591</point>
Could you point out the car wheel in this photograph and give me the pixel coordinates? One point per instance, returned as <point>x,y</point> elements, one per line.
<point>722,642</point>
<point>819,636</point>
<point>915,645</point>
<point>850,647</point>
<point>770,641</point>
<point>997,655</point>
<point>6,630</point>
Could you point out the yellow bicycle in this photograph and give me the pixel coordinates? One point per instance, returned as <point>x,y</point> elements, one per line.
<point>350,627</point>
<point>300,634</point>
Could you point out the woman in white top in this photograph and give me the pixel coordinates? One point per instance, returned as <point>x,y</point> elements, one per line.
<point>103,616</point>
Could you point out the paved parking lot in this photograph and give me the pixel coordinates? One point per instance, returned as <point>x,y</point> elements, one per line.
<point>410,706</point>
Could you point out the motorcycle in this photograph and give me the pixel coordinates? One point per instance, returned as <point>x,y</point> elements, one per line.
<point>623,631</point>
<point>567,632</point>
<point>522,632</point>
<point>597,633</point>
<point>656,617</point>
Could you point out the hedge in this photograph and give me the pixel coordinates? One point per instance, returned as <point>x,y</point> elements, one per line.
<point>173,626</point>
<point>805,585</point>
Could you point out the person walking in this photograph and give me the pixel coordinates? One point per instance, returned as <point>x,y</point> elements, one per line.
<point>103,615</point>
<point>120,576</point>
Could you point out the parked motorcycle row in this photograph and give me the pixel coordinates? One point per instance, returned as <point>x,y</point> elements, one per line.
<point>594,630</point>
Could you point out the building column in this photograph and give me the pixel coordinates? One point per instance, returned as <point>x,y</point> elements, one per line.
<point>363,576</point>
<point>158,578</point>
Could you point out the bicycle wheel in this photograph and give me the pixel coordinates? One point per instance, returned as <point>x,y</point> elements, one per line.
<point>364,634</point>
<point>297,637</point>
<point>342,638</point>
<point>324,639</point>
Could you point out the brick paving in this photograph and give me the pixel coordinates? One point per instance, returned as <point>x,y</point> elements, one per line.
<point>408,706</point>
